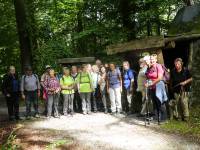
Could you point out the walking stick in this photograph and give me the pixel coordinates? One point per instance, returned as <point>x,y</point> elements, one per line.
<point>147,114</point>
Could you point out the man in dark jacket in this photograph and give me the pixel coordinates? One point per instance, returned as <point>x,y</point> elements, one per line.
<point>11,88</point>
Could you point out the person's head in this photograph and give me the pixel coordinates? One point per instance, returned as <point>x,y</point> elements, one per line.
<point>29,70</point>
<point>112,66</point>
<point>126,65</point>
<point>79,70</point>
<point>153,59</point>
<point>95,68</point>
<point>103,69</point>
<point>84,68</point>
<point>74,69</point>
<point>12,70</point>
<point>98,62</point>
<point>147,59</point>
<point>178,62</point>
<point>47,67</point>
<point>142,62</point>
<point>51,73</point>
<point>89,67</point>
<point>66,71</point>
<point>106,65</point>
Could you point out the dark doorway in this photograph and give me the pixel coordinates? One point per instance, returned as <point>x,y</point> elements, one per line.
<point>180,51</point>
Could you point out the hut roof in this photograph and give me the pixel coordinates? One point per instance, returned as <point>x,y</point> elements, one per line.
<point>187,21</point>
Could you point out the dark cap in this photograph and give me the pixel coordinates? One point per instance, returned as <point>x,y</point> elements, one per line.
<point>28,68</point>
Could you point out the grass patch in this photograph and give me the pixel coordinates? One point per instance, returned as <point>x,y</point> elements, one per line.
<point>57,143</point>
<point>190,128</point>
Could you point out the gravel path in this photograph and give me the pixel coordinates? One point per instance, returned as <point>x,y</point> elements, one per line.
<point>101,131</point>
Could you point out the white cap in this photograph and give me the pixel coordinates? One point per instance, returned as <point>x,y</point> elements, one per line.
<point>146,58</point>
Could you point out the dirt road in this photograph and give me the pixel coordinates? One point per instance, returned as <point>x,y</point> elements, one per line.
<point>99,132</point>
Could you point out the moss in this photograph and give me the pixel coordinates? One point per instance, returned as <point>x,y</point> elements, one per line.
<point>185,28</point>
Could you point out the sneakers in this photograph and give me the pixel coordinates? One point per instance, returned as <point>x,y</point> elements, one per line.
<point>37,116</point>
<point>84,113</point>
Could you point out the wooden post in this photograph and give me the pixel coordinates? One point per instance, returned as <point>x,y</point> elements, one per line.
<point>160,56</point>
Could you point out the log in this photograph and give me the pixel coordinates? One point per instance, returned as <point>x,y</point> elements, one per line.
<point>142,44</point>
<point>76,60</point>
<point>182,38</point>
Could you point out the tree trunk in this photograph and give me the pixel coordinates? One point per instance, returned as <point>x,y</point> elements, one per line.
<point>23,34</point>
<point>127,8</point>
<point>196,73</point>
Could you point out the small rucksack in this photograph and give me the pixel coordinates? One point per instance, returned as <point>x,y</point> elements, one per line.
<point>166,74</point>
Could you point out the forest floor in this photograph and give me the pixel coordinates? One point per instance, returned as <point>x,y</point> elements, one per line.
<point>97,131</point>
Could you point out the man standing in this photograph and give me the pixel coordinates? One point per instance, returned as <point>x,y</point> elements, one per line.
<point>10,88</point>
<point>181,81</point>
<point>128,83</point>
<point>30,89</point>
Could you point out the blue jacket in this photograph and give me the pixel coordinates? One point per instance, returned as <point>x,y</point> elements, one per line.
<point>161,93</point>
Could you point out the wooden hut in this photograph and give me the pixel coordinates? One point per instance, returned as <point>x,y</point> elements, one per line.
<point>180,41</point>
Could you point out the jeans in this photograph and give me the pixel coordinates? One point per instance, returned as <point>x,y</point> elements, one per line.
<point>160,108</point>
<point>104,99</point>
<point>31,97</point>
<point>52,103</point>
<point>13,105</point>
<point>94,99</point>
<point>68,103</point>
<point>115,99</point>
<point>127,99</point>
<point>86,103</point>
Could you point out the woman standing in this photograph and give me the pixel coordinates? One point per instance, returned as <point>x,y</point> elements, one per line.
<point>85,88</point>
<point>157,87</point>
<point>52,87</point>
<point>67,86</point>
<point>102,84</point>
<point>114,88</point>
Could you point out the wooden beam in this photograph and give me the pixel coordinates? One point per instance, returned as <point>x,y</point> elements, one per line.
<point>182,38</point>
<point>76,60</point>
<point>170,45</point>
<point>148,43</point>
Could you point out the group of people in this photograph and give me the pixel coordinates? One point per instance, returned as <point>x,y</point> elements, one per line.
<point>83,89</point>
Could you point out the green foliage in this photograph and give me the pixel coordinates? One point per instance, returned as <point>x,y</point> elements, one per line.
<point>190,128</point>
<point>73,28</point>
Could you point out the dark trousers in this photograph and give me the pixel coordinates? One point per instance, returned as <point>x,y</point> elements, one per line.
<point>31,98</point>
<point>68,103</point>
<point>52,102</point>
<point>13,105</point>
<point>161,112</point>
<point>77,102</point>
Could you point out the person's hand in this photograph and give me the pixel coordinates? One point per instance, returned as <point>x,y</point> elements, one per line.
<point>183,83</point>
<point>121,89</point>
<point>23,96</point>
<point>8,95</point>
<point>108,91</point>
<point>38,93</point>
<point>146,85</point>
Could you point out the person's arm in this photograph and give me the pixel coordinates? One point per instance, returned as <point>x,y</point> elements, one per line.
<point>120,79</point>
<point>131,75</point>
<point>22,87</point>
<point>107,83</point>
<point>160,73</point>
<point>38,85</point>
<point>4,85</point>
<point>186,82</point>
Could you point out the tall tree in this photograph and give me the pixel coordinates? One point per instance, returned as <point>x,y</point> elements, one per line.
<point>23,34</point>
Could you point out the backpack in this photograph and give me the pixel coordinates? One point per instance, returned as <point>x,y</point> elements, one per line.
<point>166,74</point>
<point>35,77</point>
<point>134,77</point>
